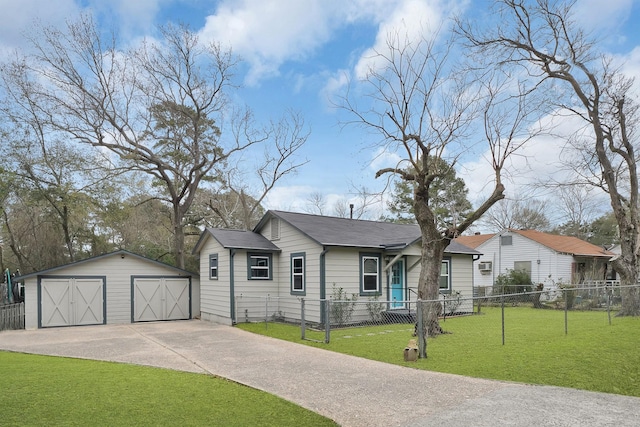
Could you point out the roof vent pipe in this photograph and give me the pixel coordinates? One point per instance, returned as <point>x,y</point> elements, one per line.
<point>351,210</point>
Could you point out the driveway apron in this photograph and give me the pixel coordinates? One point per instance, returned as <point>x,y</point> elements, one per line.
<point>350,390</point>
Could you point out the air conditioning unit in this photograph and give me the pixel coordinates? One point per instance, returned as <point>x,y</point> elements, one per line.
<point>484,267</point>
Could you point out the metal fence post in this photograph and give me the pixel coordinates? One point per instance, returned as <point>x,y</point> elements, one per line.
<point>327,321</point>
<point>566,310</point>
<point>302,323</point>
<point>609,292</point>
<point>502,309</point>
<point>444,307</point>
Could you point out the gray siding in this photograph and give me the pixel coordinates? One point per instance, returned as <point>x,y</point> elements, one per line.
<point>118,271</point>
<point>215,299</point>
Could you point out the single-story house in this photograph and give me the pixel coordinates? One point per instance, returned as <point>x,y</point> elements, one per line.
<point>302,255</point>
<point>549,259</point>
<point>118,287</point>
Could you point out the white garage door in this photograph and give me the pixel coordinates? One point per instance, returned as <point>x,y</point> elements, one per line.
<point>71,301</point>
<point>161,298</point>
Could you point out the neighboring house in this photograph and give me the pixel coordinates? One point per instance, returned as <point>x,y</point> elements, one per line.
<point>549,259</point>
<point>302,255</point>
<point>118,287</point>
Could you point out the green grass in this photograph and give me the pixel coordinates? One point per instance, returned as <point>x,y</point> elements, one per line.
<point>42,390</point>
<point>592,356</point>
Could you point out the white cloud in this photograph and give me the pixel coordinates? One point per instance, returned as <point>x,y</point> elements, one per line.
<point>267,33</point>
<point>385,159</point>
<point>413,19</point>
<point>133,17</point>
<point>18,18</point>
<point>592,14</point>
<point>289,198</point>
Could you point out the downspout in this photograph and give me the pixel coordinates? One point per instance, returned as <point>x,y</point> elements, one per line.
<point>232,297</point>
<point>474,289</point>
<point>323,282</point>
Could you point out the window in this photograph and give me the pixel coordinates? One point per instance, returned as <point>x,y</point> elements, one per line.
<point>369,274</point>
<point>213,266</point>
<point>259,266</point>
<point>523,266</point>
<point>297,274</point>
<point>445,276</point>
<point>506,240</point>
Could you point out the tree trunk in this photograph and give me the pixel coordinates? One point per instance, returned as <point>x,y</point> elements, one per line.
<point>432,252</point>
<point>178,235</point>
<point>627,268</point>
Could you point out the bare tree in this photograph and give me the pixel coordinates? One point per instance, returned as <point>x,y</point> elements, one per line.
<point>518,214</point>
<point>284,139</point>
<point>316,203</point>
<point>160,107</point>
<point>423,108</point>
<point>543,39</point>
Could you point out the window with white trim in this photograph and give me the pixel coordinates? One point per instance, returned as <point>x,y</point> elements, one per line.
<point>213,266</point>
<point>259,266</point>
<point>369,274</point>
<point>445,276</point>
<point>298,273</point>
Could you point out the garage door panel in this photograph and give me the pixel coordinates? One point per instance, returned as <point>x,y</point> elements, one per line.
<point>71,301</point>
<point>89,302</point>
<point>177,299</point>
<point>162,298</point>
<point>147,298</point>
<point>56,302</point>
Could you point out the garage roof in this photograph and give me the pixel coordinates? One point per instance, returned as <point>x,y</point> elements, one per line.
<point>120,252</point>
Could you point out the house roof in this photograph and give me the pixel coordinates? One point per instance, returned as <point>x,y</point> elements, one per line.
<point>120,252</point>
<point>239,239</point>
<point>475,240</point>
<point>346,232</point>
<point>563,244</point>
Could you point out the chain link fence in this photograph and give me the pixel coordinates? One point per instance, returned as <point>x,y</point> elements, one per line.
<point>523,313</point>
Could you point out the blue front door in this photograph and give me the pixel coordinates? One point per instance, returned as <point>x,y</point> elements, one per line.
<point>397,284</point>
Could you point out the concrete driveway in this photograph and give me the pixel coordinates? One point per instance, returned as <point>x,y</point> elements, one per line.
<point>350,390</point>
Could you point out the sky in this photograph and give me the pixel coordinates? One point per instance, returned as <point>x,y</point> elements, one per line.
<point>297,54</point>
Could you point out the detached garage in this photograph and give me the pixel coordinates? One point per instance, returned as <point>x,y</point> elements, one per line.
<point>119,287</point>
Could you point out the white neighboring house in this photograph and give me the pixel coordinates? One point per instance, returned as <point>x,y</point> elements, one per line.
<point>549,259</point>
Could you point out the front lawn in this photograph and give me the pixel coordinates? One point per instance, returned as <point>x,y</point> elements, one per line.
<point>43,390</point>
<point>592,356</point>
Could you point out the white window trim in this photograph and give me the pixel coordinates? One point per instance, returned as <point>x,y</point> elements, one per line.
<point>364,258</point>
<point>299,274</point>
<point>253,268</point>
<point>448,276</point>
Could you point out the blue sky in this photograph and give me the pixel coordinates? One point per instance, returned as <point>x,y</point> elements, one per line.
<point>296,52</point>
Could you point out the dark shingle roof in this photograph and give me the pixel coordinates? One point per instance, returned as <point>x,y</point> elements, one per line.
<point>334,231</point>
<point>242,239</point>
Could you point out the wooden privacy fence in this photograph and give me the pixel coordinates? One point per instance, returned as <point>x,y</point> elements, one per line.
<point>12,316</point>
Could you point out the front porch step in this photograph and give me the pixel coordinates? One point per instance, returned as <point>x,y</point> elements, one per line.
<point>399,315</point>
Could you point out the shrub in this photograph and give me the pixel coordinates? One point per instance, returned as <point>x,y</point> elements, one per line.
<point>342,305</point>
<point>514,282</point>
